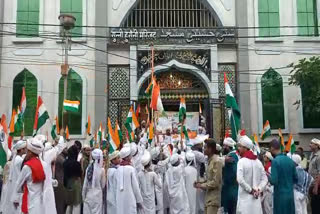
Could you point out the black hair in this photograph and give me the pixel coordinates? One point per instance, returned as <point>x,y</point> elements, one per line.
<point>211,143</point>
<point>275,144</point>
<point>78,144</point>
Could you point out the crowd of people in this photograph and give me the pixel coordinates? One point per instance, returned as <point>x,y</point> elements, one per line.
<point>169,176</point>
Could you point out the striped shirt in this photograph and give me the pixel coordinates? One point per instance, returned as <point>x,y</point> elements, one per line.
<point>304,181</point>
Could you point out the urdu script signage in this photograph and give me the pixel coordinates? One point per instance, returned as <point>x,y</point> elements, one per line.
<point>172,36</point>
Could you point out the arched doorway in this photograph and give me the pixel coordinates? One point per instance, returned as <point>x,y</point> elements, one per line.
<point>176,83</point>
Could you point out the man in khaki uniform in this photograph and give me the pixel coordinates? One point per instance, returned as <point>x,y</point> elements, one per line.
<point>213,184</point>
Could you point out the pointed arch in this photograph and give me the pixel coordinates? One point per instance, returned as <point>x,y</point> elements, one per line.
<point>26,79</point>
<point>74,92</point>
<point>173,13</point>
<point>272,99</point>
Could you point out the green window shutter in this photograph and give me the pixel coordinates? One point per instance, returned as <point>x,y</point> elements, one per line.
<point>264,24</point>
<point>263,6</point>
<point>303,21</point>
<point>76,6</point>
<point>306,19</point>
<point>28,18</point>
<point>272,99</point>
<point>273,6</point>
<point>28,80</point>
<point>274,24</point>
<point>65,6</point>
<point>74,92</point>
<point>269,20</point>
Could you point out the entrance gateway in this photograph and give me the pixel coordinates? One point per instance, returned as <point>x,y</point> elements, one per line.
<point>185,60</point>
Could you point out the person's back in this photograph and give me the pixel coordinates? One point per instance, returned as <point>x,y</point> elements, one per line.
<point>127,192</point>
<point>283,177</point>
<point>190,179</point>
<point>111,190</point>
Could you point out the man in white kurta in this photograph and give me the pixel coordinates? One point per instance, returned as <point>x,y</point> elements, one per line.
<point>111,182</point>
<point>50,154</point>
<point>160,168</point>
<point>251,177</point>
<point>16,198</point>
<point>128,195</point>
<point>32,189</point>
<point>94,183</point>
<point>176,187</point>
<point>147,182</point>
<point>190,179</point>
<point>136,157</point>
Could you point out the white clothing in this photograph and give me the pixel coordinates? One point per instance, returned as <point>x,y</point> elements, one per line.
<point>200,159</point>
<point>16,197</point>
<point>136,162</point>
<point>35,190</point>
<point>190,178</point>
<point>177,190</point>
<point>76,209</point>
<point>127,193</point>
<point>147,182</point>
<point>92,195</point>
<point>111,191</point>
<point>300,202</point>
<point>267,200</point>
<point>250,174</point>
<point>50,156</point>
<point>6,194</point>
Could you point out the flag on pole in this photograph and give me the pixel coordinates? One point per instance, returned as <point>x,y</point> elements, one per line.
<point>23,101</point>
<point>88,125</point>
<point>4,123</point>
<point>148,114</point>
<point>41,116</point>
<point>131,124</point>
<point>118,134</point>
<point>149,89</point>
<point>185,132</point>
<point>290,146</point>
<point>156,103</point>
<point>281,140</point>
<point>3,156</point>
<point>266,130</point>
<point>100,133</point>
<point>182,110</point>
<point>234,112</point>
<point>256,147</point>
<point>67,133</point>
<point>138,111</point>
<point>150,133</point>
<point>112,138</point>
<point>72,106</point>
<point>55,129</point>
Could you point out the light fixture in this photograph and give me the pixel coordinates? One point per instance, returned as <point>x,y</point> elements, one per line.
<point>179,83</point>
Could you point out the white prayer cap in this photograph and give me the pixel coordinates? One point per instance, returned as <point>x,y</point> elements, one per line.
<point>20,145</point>
<point>35,145</point>
<point>174,159</point>
<point>199,139</point>
<point>269,155</point>
<point>47,146</point>
<point>134,148</point>
<point>190,156</point>
<point>125,152</point>
<point>126,145</point>
<point>296,158</point>
<point>114,155</point>
<point>228,141</point>
<point>245,141</point>
<point>146,158</point>
<point>315,141</point>
<point>97,154</point>
<point>155,152</point>
<point>41,137</point>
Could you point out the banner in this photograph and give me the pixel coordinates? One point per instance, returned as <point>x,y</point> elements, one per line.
<point>192,120</point>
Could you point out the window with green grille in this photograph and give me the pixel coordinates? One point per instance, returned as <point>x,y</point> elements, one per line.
<point>272,99</point>
<point>269,21</point>
<point>73,7</point>
<point>28,18</point>
<point>307,17</point>
<point>28,80</point>
<point>74,93</point>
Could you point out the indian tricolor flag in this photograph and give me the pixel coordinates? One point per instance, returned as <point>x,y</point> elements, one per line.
<point>55,129</point>
<point>291,146</point>
<point>182,110</point>
<point>131,124</point>
<point>148,91</point>
<point>234,112</point>
<point>118,133</point>
<point>23,101</point>
<point>88,125</point>
<point>281,140</point>
<point>150,132</point>
<point>266,130</point>
<point>111,138</point>
<point>100,133</point>
<point>256,144</point>
<point>72,106</point>
<point>156,103</point>
<point>41,116</point>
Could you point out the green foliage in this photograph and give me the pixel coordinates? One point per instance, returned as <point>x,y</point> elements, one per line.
<point>306,74</point>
